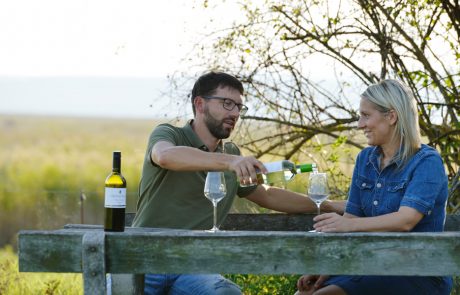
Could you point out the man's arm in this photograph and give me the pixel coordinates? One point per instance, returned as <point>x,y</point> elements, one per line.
<point>291,202</point>
<point>183,158</point>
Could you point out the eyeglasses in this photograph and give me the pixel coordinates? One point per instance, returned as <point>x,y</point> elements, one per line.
<point>229,104</point>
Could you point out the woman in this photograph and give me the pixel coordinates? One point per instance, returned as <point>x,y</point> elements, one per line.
<point>398,185</point>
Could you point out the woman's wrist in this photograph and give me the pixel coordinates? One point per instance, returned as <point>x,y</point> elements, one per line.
<point>333,206</point>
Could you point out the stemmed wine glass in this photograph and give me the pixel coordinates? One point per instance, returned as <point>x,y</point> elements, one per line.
<point>215,190</point>
<point>318,190</point>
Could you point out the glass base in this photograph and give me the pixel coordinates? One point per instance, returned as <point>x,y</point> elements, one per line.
<point>315,231</point>
<point>213,230</point>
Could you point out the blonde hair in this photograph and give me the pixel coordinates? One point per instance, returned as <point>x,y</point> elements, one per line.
<point>390,95</point>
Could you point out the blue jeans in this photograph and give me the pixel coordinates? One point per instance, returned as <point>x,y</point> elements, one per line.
<point>394,285</point>
<point>189,284</point>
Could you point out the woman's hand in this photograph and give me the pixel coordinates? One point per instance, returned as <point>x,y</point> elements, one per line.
<point>332,222</point>
<point>311,283</point>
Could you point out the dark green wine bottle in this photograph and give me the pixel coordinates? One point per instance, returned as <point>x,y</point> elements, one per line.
<point>115,197</point>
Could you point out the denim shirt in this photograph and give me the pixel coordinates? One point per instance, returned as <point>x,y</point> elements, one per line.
<point>421,184</point>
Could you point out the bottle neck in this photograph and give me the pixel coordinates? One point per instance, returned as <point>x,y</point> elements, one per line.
<point>306,168</point>
<point>116,164</point>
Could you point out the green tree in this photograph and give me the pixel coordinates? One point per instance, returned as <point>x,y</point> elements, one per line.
<point>357,42</point>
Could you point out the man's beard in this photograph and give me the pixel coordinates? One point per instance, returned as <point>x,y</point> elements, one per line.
<point>215,126</point>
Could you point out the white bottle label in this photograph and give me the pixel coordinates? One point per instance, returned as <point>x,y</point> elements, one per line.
<point>115,197</point>
<point>274,166</point>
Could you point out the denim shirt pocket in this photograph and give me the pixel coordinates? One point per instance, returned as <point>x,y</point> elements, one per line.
<point>394,195</point>
<point>366,188</point>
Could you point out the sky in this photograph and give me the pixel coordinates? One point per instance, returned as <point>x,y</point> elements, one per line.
<point>98,58</point>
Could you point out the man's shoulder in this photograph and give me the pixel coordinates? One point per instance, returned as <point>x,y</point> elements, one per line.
<point>167,128</point>
<point>231,148</point>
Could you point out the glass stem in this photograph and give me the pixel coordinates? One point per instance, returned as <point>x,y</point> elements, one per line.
<point>318,205</point>
<point>215,215</point>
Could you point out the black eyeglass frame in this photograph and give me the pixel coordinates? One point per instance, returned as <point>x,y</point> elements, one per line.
<point>225,101</point>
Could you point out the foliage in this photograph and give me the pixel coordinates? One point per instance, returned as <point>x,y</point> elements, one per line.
<point>351,44</point>
<point>12,282</point>
<point>265,284</point>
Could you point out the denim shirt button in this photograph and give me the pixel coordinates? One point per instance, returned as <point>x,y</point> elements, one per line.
<point>364,184</point>
<point>376,202</point>
<point>379,185</point>
<point>429,212</point>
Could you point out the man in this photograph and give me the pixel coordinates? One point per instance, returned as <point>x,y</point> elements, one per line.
<point>174,172</point>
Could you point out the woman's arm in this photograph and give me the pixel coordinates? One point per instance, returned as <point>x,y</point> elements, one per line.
<point>290,202</point>
<point>401,221</point>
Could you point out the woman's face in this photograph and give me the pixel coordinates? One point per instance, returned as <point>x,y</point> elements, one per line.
<point>378,127</point>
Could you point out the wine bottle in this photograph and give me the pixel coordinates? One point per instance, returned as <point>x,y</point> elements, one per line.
<point>278,173</point>
<point>115,197</point>
<point>260,180</point>
<point>302,168</point>
<point>282,171</point>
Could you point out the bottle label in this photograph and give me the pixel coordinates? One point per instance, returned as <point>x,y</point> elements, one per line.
<point>115,197</point>
<point>274,166</point>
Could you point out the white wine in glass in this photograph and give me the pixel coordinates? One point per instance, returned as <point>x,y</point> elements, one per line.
<point>318,190</point>
<point>215,190</point>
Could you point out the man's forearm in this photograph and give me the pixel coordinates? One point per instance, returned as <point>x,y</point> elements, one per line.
<point>182,158</point>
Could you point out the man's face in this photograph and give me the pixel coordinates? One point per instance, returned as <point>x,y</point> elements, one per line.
<point>219,120</point>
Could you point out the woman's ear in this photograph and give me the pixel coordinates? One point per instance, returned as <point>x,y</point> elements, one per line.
<point>392,116</point>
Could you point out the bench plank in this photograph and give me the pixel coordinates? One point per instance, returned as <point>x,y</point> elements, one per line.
<point>256,252</point>
<point>41,251</point>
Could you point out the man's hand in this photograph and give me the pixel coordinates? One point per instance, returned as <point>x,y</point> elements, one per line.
<point>245,168</point>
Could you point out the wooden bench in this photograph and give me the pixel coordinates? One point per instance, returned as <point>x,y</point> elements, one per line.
<point>251,243</point>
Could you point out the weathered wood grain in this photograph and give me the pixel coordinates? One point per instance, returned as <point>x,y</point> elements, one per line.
<point>93,262</point>
<point>257,252</point>
<point>264,244</point>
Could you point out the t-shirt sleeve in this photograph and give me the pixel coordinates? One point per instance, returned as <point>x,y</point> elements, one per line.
<point>163,132</point>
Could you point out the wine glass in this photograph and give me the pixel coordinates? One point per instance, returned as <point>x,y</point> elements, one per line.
<point>318,190</point>
<point>215,190</point>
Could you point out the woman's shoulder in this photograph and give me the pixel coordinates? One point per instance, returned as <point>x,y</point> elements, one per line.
<point>427,151</point>
<point>427,154</point>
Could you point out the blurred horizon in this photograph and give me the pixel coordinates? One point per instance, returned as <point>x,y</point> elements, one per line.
<point>85,96</point>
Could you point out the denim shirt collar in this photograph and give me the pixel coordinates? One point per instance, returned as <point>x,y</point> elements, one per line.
<point>376,154</point>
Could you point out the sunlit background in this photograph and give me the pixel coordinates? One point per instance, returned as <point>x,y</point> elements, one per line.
<point>108,58</point>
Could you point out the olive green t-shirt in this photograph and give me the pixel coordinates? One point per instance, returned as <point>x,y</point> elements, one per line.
<point>175,199</point>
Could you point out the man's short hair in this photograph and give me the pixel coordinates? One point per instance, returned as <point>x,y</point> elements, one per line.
<point>208,83</point>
